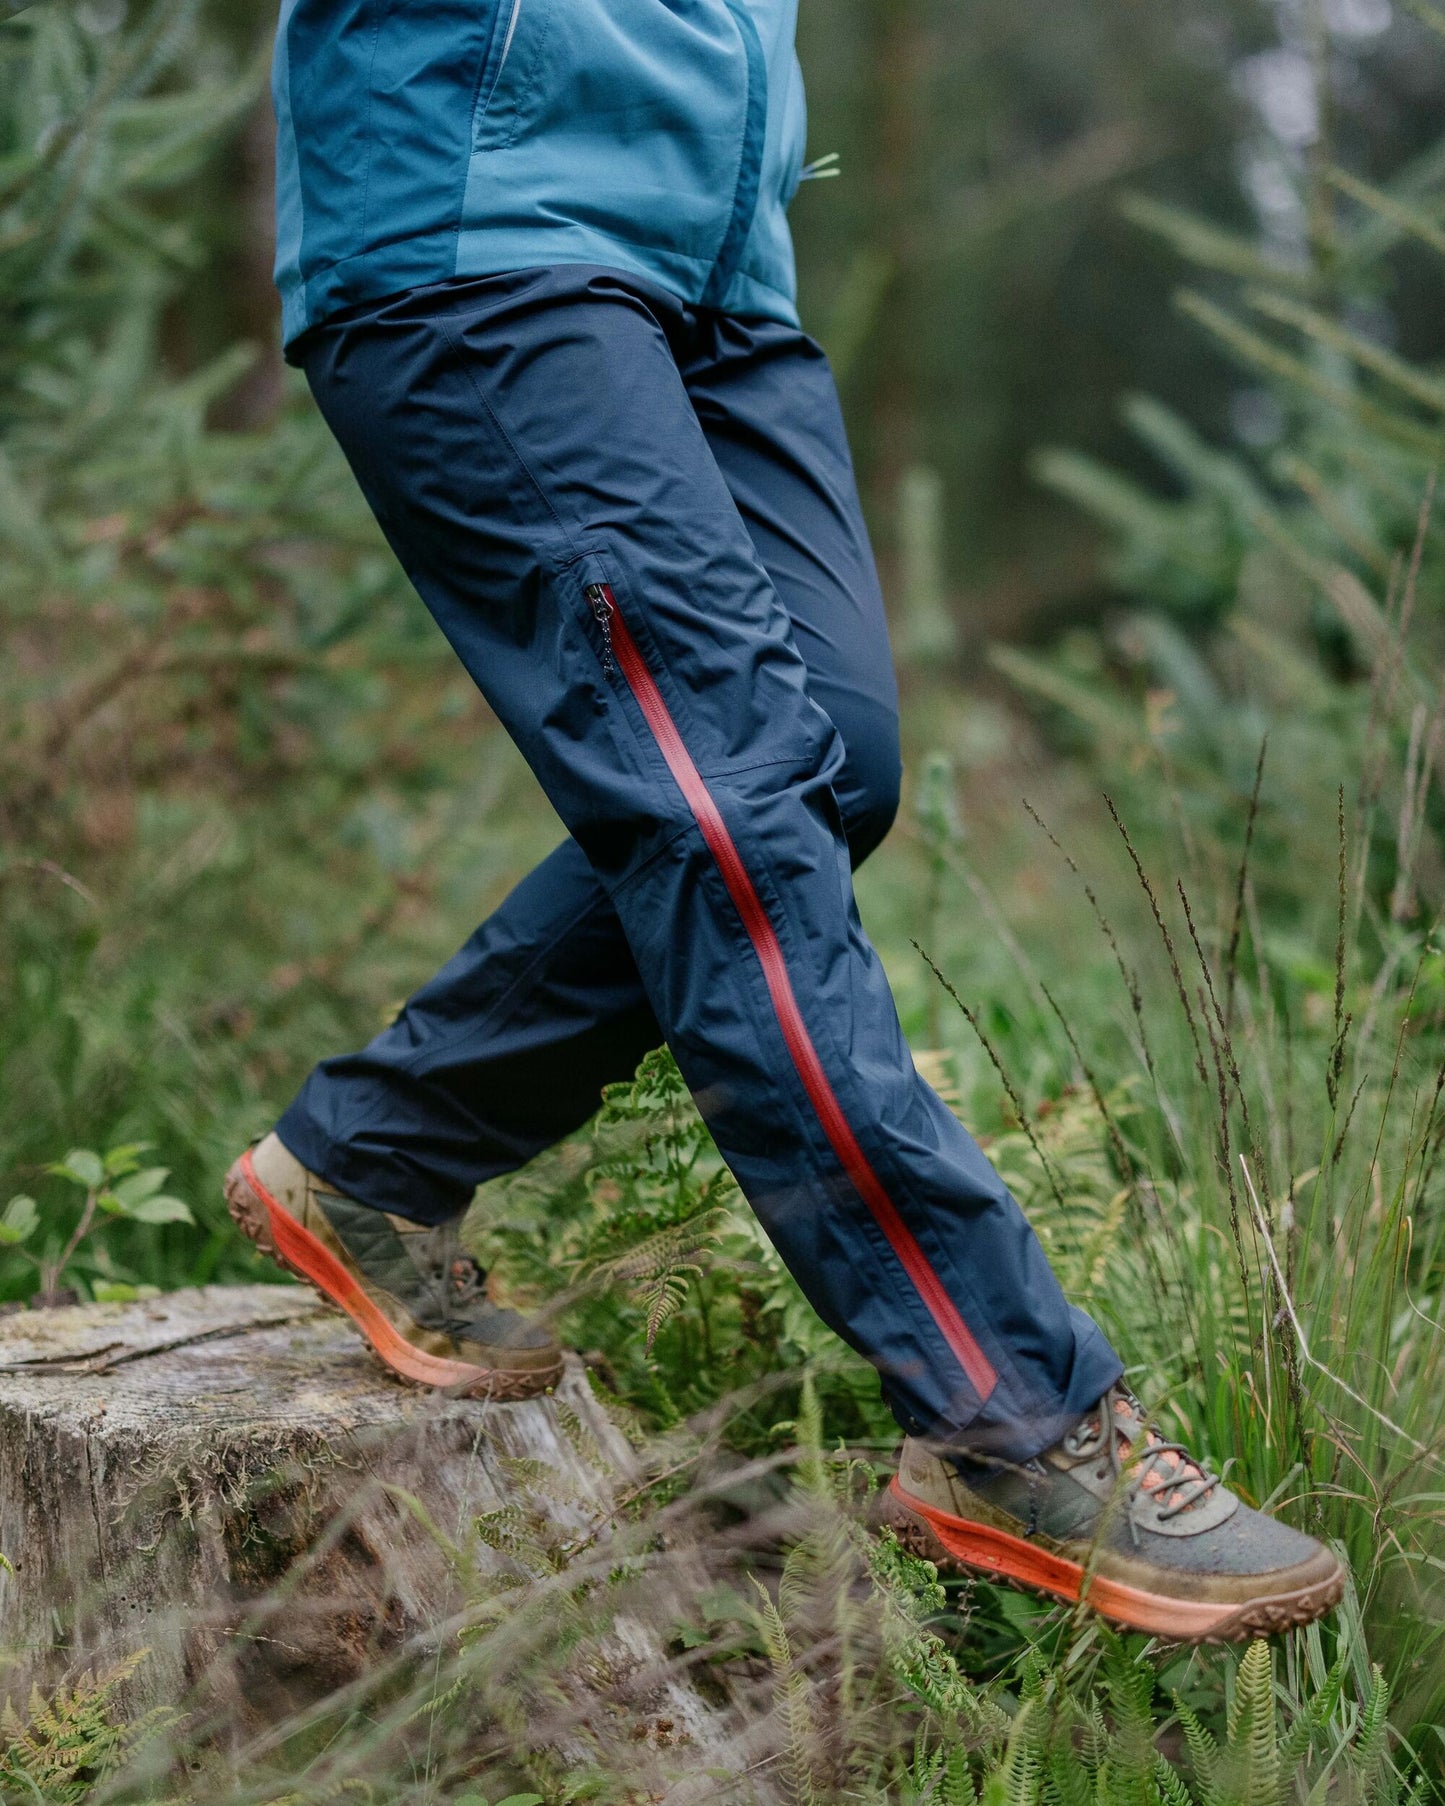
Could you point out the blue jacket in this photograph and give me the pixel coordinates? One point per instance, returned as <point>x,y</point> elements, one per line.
<point>423,139</point>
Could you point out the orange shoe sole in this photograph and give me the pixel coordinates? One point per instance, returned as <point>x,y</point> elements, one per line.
<point>278,1234</point>
<point>963,1544</point>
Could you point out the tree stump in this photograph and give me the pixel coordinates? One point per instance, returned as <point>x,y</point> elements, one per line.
<point>225,1477</point>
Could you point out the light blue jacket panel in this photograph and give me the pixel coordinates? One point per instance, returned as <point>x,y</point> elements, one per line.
<point>423,139</point>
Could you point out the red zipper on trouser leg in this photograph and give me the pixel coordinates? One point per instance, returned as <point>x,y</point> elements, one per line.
<point>622,648</point>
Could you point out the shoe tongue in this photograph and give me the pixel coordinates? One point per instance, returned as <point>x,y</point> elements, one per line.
<point>465,1280</point>
<point>1168,1469</point>
<point>451,1277</point>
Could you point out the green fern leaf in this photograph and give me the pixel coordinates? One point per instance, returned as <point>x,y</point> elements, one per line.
<point>1203,1753</point>
<point>1253,1750</point>
<point>1312,1720</point>
<point>1169,1783</point>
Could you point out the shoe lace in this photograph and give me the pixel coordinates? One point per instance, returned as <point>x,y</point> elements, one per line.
<point>457,1282</point>
<point>1173,1478</point>
<point>466,1282</point>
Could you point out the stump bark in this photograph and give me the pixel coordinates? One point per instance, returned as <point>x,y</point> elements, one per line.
<point>224,1477</point>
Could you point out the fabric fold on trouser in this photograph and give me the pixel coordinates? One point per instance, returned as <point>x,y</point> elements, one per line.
<point>637,525</point>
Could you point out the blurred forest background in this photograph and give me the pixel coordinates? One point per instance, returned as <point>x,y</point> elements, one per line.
<point>1137,315</point>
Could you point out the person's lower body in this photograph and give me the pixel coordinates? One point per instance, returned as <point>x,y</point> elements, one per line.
<point>637,525</point>
<point>604,498</point>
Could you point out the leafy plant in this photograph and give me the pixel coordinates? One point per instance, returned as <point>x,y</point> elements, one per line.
<point>661,1200</point>
<point>637,1234</point>
<point>64,1747</point>
<point>1272,576</point>
<point>1100,1744</point>
<point>115,1186</point>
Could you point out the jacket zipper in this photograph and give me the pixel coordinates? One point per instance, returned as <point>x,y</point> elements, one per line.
<point>750,159</point>
<point>619,646</point>
<point>507,41</point>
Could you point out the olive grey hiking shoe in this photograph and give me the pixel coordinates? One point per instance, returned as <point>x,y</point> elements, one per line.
<point>1115,1515</point>
<point>411,1291</point>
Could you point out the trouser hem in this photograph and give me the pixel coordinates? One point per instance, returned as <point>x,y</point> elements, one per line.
<point>366,1178</point>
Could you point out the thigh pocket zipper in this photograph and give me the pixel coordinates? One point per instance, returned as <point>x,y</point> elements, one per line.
<point>599,600</point>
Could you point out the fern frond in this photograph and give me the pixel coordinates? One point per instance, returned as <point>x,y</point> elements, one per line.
<point>511,1531</point>
<point>1033,1679</point>
<point>955,1784</point>
<point>1169,1783</point>
<point>666,1248</point>
<point>75,1738</point>
<point>1370,1755</point>
<point>1252,1748</point>
<point>1095,1746</point>
<point>1020,1773</point>
<point>1315,1716</point>
<point>1066,1781</point>
<point>659,1268</point>
<point>1131,1687</point>
<point>1203,1752</point>
<point>665,1295</point>
<point>794,1702</point>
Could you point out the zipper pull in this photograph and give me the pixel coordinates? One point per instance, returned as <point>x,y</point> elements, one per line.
<point>603,608</point>
<point>821,168</point>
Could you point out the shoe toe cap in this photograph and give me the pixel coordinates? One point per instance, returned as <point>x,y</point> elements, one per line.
<point>1249,1555</point>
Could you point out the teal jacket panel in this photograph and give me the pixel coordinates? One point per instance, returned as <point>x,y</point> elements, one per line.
<point>423,139</point>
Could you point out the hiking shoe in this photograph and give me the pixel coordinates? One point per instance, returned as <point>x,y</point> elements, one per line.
<point>412,1291</point>
<point>1115,1515</point>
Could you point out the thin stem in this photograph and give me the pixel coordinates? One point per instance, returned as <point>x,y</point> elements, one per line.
<point>1001,1070</point>
<point>50,1276</point>
<point>1167,938</point>
<point>1231,957</point>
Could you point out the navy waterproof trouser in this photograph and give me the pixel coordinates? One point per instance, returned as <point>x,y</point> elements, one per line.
<point>636,523</point>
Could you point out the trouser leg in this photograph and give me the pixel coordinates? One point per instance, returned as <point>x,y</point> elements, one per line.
<point>500,1055</point>
<point>507,1048</point>
<point>537,465</point>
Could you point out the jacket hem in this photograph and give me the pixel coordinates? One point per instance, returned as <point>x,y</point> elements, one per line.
<point>391,269</point>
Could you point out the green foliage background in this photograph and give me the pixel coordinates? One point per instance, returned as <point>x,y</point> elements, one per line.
<point>1172,835</point>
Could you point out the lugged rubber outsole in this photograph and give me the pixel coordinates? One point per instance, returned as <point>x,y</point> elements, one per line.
<point>291,1245</point>
<point>975,1548</point>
